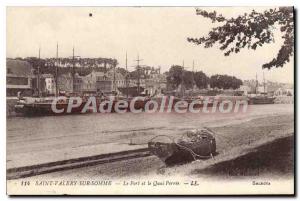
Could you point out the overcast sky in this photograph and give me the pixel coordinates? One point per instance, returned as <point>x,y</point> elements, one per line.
<point>158,35</point>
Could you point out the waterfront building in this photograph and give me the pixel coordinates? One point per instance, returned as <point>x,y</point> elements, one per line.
<point>155,84</point>
<point>19,76</point>
<point>245,89</point>
<point>115,75</point>
<point>149,79</point>
<point>65,82</point>
<point>77,83</point>
<point>50,87</point>
<point>96,82</point>
<point>284,92</point>
<point>103,83</point>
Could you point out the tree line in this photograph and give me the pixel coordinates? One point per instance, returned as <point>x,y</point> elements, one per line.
<point>51,69</point>
<point>177,75</point>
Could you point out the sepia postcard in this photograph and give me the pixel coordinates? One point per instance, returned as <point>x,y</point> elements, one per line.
<point>150,101</point>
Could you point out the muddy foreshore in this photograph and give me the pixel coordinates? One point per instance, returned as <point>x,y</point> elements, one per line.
<point>259,147</point>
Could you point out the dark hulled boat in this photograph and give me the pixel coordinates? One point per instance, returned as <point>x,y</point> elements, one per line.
<point>261,100</point>
<point>193,145</point>
<point>43,106</point>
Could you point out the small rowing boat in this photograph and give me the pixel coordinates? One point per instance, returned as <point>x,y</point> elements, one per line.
<point>192,145</point>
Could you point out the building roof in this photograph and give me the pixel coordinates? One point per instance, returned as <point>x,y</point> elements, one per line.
<point>118,75</point>
<point>96,73</point>
<point>47,75</point>
<point>18,67</point>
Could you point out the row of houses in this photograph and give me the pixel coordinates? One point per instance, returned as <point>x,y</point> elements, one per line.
<point>271,88</point>
<point>110,81</point>
<point>21,78</point>
<point>81,62</point>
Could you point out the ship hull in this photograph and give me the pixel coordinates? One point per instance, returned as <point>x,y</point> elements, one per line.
<point>192,146</point>
<point>175,154</point>
<point>45,109</point>
<point>256,101</point>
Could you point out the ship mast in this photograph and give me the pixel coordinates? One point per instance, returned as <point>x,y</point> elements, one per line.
<point>182,81</point>
<point>193,78</point>
<point>256,84</point>
<point>38,77</point>
<point>114,81</point>
<point>264,83</point>
<point>138,71</point>
<point>56,72</point>
<point>73,70</point>
<point>126,77</point>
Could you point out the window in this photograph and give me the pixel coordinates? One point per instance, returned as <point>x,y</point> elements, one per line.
<point>17,80</point>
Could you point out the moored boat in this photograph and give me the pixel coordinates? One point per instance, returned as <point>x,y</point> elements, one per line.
<point>50,106</point>
<point>43,107</point>
<point>261,100</point>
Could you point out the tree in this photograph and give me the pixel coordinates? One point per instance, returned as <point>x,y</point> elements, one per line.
<point>225,82</point>
<point>35,62</point>
<point>174,77</point>
<point>177,75</point>
<point>123,71</point>
<point>201,80</point>
<point>251,31</point>
<point>188,79</point>
<point>236,83</point>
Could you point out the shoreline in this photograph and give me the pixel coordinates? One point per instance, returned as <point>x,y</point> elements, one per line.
<point>12,101</point>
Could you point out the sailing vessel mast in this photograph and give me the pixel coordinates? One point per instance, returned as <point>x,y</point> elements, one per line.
<point>38,77</point>
<point>73,70</point>
<point>182,80</point>
<point>126,78</point>
<point>56,72</point>
<point>138,71</point>
<point>114,81</point>
<point>264,83</point>
<point>256,84</point>
<point>193,83</point>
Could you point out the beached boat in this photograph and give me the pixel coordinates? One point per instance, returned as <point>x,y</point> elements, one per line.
<point>192,145</point>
